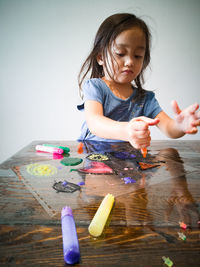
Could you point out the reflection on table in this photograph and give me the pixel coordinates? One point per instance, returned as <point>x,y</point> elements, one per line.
<point>152,196</point>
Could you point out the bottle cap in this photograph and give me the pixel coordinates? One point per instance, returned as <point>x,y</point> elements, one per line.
<point>72,256</point>
<point>66,211</point>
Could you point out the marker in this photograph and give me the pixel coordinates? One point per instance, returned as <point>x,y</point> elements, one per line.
<point>80,148</point>
<point>183,225</point>
<point>99,220</point>
<point>69,235</point>
<point>182,236</point>
<point>66,149</point>
<point>49,149</point>
<point>144,152</point>
<point>167,261</point>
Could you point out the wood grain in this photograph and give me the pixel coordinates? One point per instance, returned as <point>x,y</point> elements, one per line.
<point>143,225</point>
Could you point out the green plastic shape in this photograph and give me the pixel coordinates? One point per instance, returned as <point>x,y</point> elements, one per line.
<point>71,161</point>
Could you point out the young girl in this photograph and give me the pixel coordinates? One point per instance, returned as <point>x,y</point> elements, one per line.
<point>115,108</point>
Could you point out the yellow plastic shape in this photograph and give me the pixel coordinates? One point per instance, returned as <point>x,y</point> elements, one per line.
<point>99,220</point>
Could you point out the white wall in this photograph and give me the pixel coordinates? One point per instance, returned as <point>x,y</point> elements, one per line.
<point>44,42</point>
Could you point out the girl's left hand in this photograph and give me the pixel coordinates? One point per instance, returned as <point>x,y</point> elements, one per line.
<point>187,119</point>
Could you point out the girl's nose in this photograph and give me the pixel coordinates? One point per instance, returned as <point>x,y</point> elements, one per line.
<point>129,61</point>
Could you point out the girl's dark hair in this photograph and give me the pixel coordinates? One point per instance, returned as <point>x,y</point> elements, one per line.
<point>106,34</point>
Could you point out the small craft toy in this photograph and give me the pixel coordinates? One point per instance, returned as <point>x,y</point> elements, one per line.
<point>37,169</point>
<point>128,180</point>
<point>99,220</point>
<point>167,261</point>
<point>145,166</point>
<point>71,161</point>
<point>81,183</point>
<point>66,187</point>
<point>98,157</point>
<point>96,168</point>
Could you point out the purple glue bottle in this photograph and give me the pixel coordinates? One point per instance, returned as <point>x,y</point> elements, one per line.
<point>70,240</point>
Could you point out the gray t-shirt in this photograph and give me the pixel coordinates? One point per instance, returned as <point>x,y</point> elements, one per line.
<point>116,108</point>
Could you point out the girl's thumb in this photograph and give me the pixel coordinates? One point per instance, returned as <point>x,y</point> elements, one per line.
<point>175,107</point>
<point>153,122</point>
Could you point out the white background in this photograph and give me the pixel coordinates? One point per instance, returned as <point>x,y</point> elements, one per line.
<point>44,42</point>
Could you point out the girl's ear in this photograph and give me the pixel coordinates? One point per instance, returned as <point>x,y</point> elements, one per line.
<point>99,59</point>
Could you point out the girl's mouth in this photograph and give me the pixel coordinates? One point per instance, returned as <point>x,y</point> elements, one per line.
<point>127,71</point>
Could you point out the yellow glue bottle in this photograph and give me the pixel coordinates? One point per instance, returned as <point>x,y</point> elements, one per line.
<point>99,220</point>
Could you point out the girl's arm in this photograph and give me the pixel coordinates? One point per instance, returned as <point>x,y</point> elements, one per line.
<point>102,126</point>
<point>136,131</point>
<point>186,121</point>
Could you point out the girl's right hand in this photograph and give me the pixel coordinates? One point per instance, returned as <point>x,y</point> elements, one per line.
<point>138,131</point>
<point>188,119</point>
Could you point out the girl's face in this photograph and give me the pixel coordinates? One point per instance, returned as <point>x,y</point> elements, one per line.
<point>125,59</point>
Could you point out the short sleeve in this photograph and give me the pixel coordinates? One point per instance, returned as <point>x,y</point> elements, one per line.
<point>151,106</point>
<point>92,90</point>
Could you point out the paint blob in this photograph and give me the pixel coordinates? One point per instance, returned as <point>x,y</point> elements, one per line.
<point>145,166</point>
<point>66,187</point>
<point>124,155</point>
<point>98,157</point>
<point>41,169</point>
<point>71,161</point>
<point>96,168</point>
<point>129,180</point>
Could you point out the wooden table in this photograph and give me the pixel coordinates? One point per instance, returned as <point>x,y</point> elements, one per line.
<point>144,222</point>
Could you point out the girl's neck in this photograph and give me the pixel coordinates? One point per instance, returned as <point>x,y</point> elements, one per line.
<point>122,91</point>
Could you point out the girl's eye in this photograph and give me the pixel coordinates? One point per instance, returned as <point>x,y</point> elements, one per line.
<point>138,56</point>
<point>119,54</point>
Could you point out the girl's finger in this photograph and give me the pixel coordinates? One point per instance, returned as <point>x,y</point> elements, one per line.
<point>148,121</point>
<point>194,130</point>
<point>138,125</point>
<point>196,123</point>
<point>197,114</point>
<point>193,108</point>
<point>142,134</point>
<point>175,107</point>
